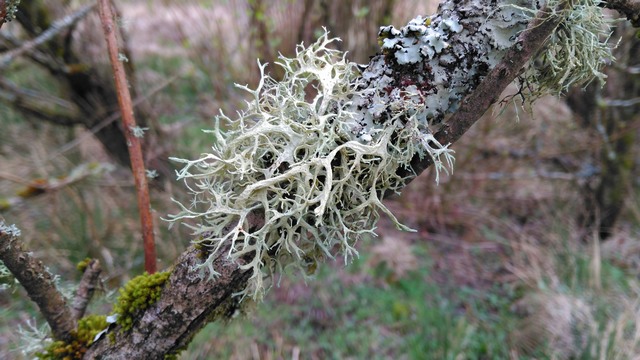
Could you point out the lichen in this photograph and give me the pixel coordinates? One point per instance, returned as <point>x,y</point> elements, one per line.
<point>300,174</point>
<point>574,54</point>
<point>82,337</point>
<point>11,230</point>
<point>11,10</point>
<point>312,174</point>
<point>137,295</point>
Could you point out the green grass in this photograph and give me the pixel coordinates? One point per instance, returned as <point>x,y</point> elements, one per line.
<point>372,318</point>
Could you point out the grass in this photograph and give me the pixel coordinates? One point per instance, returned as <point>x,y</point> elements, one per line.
<point>499,267</point>
<point>338,318</point>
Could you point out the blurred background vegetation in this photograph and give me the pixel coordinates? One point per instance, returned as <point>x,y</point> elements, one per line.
<point>530,250</point>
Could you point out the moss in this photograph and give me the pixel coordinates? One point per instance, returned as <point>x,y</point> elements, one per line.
<point>137,295</point>
<point>82,265</point>
<point>88,328</point>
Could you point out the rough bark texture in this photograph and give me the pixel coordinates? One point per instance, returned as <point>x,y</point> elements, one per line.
<point>39,283</point>
<point>188,302</point>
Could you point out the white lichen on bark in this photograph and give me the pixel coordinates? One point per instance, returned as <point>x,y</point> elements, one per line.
<point>315,171</point>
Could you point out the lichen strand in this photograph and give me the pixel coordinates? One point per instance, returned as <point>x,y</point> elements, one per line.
<point>302,167</point>
<point>87,329</point>
<point>137,295</point>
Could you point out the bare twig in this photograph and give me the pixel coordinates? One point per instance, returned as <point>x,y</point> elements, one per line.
<point>52,64</point>
<point>38,282</point>
<point>135,149</point>
<point>39,104</point>
<point>86,288</point>
<point>46,35</point>
<point>40,186</point>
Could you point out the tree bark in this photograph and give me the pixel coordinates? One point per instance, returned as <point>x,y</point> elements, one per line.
<point>38,282</point>
<point>188,302</point>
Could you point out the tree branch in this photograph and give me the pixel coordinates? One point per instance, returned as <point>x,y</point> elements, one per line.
<point>188,302</point>
<point>38,104</point>
<point>46,35</point>
<point>38,282</point>
<point>87,286</point>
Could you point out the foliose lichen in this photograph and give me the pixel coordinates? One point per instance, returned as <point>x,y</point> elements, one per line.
<point>87,329</point>
<point>138,294</point>
<point>11,230</point>
<point>11,9</point>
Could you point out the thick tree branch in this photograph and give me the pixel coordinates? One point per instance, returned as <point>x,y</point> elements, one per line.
<point>38,282</point>
<point>188,302</point>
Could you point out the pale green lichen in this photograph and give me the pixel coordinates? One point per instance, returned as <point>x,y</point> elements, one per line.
<point>574,54</point>
<point>312,175</point>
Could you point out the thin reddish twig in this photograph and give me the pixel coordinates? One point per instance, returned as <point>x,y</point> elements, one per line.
<point>135,149</point>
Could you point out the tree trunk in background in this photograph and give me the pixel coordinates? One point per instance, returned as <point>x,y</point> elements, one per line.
<point>611,113</point>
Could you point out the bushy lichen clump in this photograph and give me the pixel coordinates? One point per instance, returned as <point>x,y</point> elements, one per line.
<point>576,51</point>
<point>88,327</point>
<point>303,169</point>
<point>299,169</point>
<point>138,294</point>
